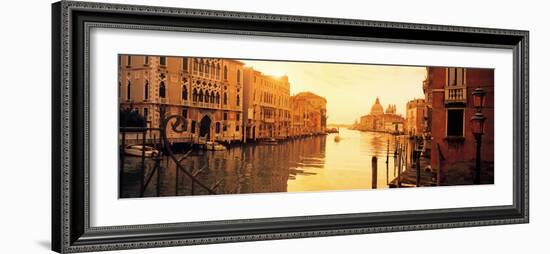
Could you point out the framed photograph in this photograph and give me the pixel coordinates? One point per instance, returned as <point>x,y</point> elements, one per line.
<point>181,126</point>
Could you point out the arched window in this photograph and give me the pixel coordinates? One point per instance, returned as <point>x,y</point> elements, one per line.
<point>201,95</point>
<point>218,71</point>
<point>200,66</point>
<point>217,97</point>
<point>225,98</point>
<point>238,100</point>
<point>213,70</point>
<point>162,90</point>
<point>184,64</point>
<point>238,76</point>
<point>225,72</point>
<point>146,92</point>
<point>195,94</point>
<point>195,65</point>
<point>184,92</point>
<point>206,67</point>
<point>212,98</point>
<point>129,91</point>
<point>207,97</point>
<point>217,127</point>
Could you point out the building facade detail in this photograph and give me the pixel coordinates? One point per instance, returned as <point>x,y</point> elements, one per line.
<point>206,91</point>
<point>221,100</point>
<point>267,106</point>
<point>449,109</point>
<point>309,115</point>
<point>416,118</point>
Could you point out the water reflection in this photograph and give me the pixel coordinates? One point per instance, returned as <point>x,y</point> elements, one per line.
<point>309,164</point>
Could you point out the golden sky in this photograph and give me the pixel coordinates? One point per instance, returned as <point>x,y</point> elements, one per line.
<point>350,89</point>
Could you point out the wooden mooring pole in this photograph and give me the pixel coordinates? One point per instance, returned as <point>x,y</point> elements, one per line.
<point>394,155</point>
<point>374,172</point>
<point>121,174</point>
<point>158,180</point>
<point>388,163</point>
<point>177,180</point>
<point>406,159</point>
<point>399,155</point>
<point>142,172</point>
<point>417,168</point>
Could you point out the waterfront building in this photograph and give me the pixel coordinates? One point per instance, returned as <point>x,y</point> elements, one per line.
<point>449,103</point>
<point>207,92</point>
<point>380,120</point>
<point>308,114</point>
<point>266,106</point>
<point>416,117</point>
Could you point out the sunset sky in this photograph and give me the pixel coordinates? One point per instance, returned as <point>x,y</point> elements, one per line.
<point>350,89</point>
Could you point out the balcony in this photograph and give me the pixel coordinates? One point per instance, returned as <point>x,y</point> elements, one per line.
<point>204,105</point>
<point>163,100</point>
<point>455,95</point>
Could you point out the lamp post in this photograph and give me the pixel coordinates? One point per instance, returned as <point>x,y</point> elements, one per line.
<point>417,152</point>
<point>477,126</point>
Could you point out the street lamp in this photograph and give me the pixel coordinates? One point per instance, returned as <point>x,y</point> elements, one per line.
<point>477,125</point>
<point>479,98</point>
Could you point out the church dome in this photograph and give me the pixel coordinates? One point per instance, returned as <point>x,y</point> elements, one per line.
<point>377,108</point>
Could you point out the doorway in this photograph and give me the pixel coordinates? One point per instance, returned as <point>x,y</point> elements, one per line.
<point>206,122</point>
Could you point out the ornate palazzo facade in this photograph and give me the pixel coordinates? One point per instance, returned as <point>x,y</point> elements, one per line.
<point>267,106</point>
<point>205,91</point>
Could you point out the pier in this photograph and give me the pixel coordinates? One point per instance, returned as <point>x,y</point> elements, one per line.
<point>413,164</point>
<point>408,178</point>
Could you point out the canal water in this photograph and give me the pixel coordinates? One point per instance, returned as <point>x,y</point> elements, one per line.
<point>316,163</point>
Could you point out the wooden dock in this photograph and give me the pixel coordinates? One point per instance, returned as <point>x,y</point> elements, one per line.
<point>408,177</point>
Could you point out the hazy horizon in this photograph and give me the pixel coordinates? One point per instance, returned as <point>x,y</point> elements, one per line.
<point>342,84</point>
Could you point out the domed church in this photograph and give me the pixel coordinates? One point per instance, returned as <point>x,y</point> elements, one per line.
<point>380,120</point>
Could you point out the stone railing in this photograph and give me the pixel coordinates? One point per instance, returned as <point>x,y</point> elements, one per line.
<point>455,94</point>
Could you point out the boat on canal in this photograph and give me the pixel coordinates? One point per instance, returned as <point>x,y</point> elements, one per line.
<point>139,150</point>
<point>269,141</point>
<point>214,146</point>
<point>333,130</point>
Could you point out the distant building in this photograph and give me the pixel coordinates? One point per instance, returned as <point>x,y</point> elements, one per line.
<point>448,98</point>
<point>416,117</point>
<point>378,120</point>
<point>205,91</point>
<point>266,106</point>
<point>308,112</point>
